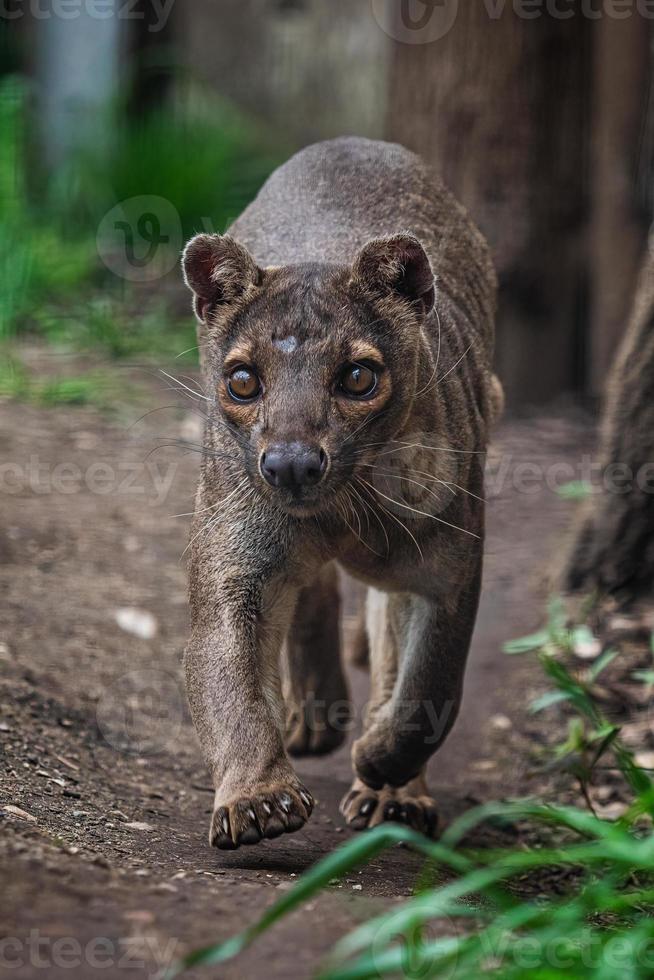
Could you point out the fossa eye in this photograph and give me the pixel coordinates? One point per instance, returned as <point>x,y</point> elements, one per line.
<point>358,381</point>
<point>243,384</point>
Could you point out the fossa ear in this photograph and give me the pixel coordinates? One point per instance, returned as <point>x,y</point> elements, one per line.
<point>218,271</point>
<point>396,266</point>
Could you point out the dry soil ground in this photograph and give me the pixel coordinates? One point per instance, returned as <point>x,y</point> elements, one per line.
<point>105,868</point>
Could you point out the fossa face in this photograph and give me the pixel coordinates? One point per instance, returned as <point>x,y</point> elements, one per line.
<point>311,368</point>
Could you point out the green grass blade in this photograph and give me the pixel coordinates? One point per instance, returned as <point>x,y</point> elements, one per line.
<point>351,855</point>
<point>526,644</point>
<point>546,700</point>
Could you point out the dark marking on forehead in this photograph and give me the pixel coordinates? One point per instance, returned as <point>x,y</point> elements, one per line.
<point>286,344</point>
<point>296,305</point>
<point>301,306</point>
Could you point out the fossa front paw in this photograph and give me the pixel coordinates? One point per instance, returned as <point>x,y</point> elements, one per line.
<point>363,807</point>
<point>263,812</point>
<point>379,761</point>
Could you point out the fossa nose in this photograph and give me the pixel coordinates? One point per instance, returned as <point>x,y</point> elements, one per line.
<point>293,465</point>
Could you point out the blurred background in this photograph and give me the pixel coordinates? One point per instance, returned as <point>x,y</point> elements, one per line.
<point>127,126</point>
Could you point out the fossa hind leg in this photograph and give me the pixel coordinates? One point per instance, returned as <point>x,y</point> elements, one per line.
<point>315,689</point>
<point>363,806</point>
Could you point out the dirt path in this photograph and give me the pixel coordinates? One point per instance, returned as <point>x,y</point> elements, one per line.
<point>108,871</point>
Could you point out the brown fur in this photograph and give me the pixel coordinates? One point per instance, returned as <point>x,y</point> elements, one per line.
<point>333,262</point>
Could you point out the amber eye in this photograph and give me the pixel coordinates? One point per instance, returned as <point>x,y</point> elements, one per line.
<point>243,384</point>
<point>358,381</point>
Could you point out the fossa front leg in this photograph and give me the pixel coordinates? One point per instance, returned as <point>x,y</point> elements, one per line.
<point>419,653</point>
<point>231,663</point>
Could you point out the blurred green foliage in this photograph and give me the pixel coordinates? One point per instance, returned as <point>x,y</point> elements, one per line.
<point>54,284</point>
<point>592,914</point>
<point>209,168</point>
<point>100,388</point>
<point>33,260</point>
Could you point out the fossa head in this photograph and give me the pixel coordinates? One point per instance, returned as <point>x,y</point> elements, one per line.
<point>312,367</point>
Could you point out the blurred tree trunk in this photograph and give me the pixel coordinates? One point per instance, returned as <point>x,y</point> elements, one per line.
<point>619,220</point>
<point>152,56</point>
<point>499,105</point>
<point>77,69</point>
<point>310,69</point>
<point>614,548</point>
